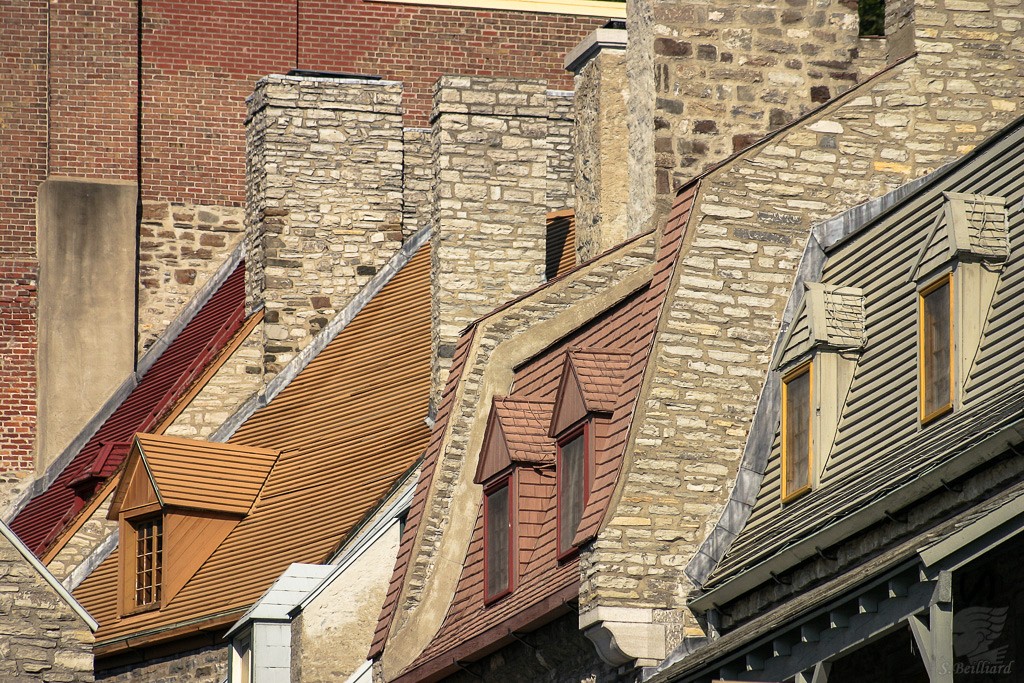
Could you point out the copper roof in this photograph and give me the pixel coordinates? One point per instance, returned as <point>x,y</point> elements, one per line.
<point>160,388</point>
<point>201,475</point>
<point>347,426</point>
<point>619,341</point>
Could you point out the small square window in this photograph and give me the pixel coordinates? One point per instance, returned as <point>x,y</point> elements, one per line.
<point>498,540</point>
<point>572,487</point>
<point>935,341</point>
<point>149,539</point>
<point>797,396</point>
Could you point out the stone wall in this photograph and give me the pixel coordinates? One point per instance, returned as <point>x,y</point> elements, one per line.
<point>561,191</point>
<point>41,637</point>
<point>710,79</point>
<point>205,665</point>
<point>554,653</point>
<point>324,206</point>
<point>83,543</point>
<point>497,173</point>
<point>734,275</point>
<point>417,180</point>
<point>180,247</point>
<point>601,149</point>
<point>236,380</point>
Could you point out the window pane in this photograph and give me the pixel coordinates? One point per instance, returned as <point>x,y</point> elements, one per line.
<point>496,528</point>
<point>148,561</point>
<point>570,488</point>
<point>797,437</point>
<point>936,350</point>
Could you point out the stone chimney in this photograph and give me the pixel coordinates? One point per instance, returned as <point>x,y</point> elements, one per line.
<point>599,65</point>
<point>708,80</point>
<point>502,160</point>
<point>324,200</point>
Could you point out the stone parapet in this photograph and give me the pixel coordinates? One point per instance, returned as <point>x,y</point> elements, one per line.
<point>502,158</point>
<point>324,200</point>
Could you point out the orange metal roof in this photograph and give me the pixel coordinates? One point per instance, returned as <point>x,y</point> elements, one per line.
<point>201,475</point>
<point>347,426</point>
<point>544,584</point>
<point>561,243</point>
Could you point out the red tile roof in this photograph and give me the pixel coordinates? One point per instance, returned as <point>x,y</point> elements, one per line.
<point>601,376</point>
<point>44,518</point>
<point>525,425</point>
<point>618,343</point>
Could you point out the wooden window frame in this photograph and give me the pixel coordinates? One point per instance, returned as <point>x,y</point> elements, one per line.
<point>922,367</point>
<point>802,369</point>
<point>570,434</point>
<point>130,564</point>
<point>506,480</point>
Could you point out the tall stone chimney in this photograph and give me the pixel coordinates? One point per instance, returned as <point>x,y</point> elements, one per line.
<point>324,200</point>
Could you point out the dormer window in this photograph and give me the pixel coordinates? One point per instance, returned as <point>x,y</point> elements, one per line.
<point>149,554</point>
<point>573,485</point>
<point>177,499</point>
<point>957,273</point>
<point>499,540</point>
<point>797,431</point>
<point>935,338</point>
<point>817,361</point>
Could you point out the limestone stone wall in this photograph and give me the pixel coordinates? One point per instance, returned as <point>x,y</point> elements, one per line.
<point>497,172</point>
<point>734,274</point>
<point>96,529</point>
<point>236,380</point>
<point>41,637</point>
<point>561,191</point>
<point>180,247</point>
<point>204,665</point>
<point>418,180</point>
<point>712,78</point>
<point>324,200</point>
<point>601,150</point>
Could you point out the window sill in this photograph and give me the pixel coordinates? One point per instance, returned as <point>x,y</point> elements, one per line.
<point>589,8</point>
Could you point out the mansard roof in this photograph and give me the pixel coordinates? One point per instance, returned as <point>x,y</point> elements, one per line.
<point>883,459</point>
<point>142,405</point>
<point>610,347</point>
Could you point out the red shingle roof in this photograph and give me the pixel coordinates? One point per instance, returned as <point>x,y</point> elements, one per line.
<point>525,424</point>
<point>166,381</point>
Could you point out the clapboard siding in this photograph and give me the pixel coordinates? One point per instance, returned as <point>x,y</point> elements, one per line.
<point>888,260</point>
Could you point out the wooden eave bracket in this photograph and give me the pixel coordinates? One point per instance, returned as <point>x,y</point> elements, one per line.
<point>625,634</point>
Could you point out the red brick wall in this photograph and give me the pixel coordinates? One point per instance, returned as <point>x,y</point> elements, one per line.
<point>92,88</point>
<point>200,61</point>
<point>22,168</point>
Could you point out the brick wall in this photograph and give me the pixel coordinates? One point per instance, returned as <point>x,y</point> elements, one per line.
<point>41,636</point>
<point>23,151</point>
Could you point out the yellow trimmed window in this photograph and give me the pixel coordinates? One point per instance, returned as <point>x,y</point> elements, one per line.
<point>935,344</point>
<point>796,431</point>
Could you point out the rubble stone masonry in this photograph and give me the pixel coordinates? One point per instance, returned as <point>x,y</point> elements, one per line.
<point>502,159</point>
<point>324,209</point>
<point>709,79</point>
<point>204,665</point>
<point>180,247</point>
<point>746,234</point>
<point>41,636</point>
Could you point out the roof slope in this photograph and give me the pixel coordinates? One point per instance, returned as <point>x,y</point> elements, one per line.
<point>202,475</point>
<point>880,445</point>
<point>525,425</point>
<point>545,585</point>
<point>347,426</point>
<point>163,384</point>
